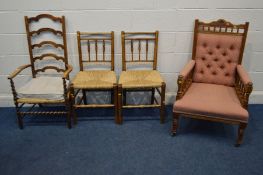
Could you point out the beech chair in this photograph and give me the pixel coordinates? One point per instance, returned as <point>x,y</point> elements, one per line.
<point>44,87</point>
<point>95,50</point>
<point>136,50</point>
<point>214,86</point>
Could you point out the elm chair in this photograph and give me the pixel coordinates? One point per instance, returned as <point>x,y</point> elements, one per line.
<point>50,71</point>
<point>140,48</point>
<point>214,86</point>
<point>96,62</point>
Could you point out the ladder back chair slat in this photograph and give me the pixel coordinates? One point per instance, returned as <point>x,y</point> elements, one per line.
<point>31,34</point>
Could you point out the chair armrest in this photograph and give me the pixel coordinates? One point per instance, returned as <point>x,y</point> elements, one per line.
<point>66,73</point>
<point>18,70</point>
<point>188,68</point>
<point>184,80</point>
<point>243,86</point>
<point>242,73</point>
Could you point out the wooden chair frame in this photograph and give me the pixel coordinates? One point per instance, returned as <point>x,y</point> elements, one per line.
<point>125,36</point>
<point>243,90</point>
<point>19,102</point>
<point>96,37</point>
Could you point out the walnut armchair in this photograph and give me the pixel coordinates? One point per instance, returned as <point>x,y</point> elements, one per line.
<point>214,86</point>
<point>44,87</point>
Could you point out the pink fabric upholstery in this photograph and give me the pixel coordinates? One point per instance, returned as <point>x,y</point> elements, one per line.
<point>243,75</point>
<point>187,69</point>
<point>213,100</point>
<point>216,58</point>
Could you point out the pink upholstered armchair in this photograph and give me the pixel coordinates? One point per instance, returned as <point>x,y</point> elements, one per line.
<point>213,85</point>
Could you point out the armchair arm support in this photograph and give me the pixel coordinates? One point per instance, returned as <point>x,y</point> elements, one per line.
<point>188,68</point>
<point>243,86</point>
<point>18,70</point>
<point>185,79</point>
<point>66,73</point>
<point>243,75</point>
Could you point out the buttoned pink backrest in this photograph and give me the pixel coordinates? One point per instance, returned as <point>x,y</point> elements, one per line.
<point>217,56</point>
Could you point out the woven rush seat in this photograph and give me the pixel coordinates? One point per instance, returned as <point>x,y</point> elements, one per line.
<point>42,90</point>
<point>140,78</point>
<point>96,79</point>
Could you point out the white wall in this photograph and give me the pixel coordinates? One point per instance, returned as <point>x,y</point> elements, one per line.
<point>173,18</point>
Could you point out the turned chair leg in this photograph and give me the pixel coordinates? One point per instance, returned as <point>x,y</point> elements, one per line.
<point>20,120</point>
<point>69,119</point>
<point>72,102</point>
<point>120,118</point>
<point>124,94</point>
<point>162,108</point>
<point>68,106</point>
<point>152,97</point>
<point>114,96</point>
<point>241,130</point>
<point>84,96</point>
<point>175,123</point>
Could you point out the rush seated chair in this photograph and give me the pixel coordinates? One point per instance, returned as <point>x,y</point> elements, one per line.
<point>214,86</point>
<point>96,62</point>
<point>140,48</point>
<point>49,67</point>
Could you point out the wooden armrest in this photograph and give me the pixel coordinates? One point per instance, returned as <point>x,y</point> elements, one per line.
<point>66,73</point>
<point>184,80</point>
<point>188,68</point>
<point>242,73</point>
<point>18,70</point>
<point>243,86</point>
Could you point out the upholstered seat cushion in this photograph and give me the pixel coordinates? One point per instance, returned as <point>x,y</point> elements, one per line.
<point>140,78</point>
<point>42,88</point>
<point>213,100</point>
<point>96,79</point>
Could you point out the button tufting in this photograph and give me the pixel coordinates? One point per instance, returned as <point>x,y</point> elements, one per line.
<point>216,59</point>
<point>224,54</point>
<point>229,61</point>
<point>208,66</point>
<point>201,71</point>
<point>231,47</point>
<point>210,53</point>
<point>226,74</point>
<point>222,66</point>
<point>214,73</point>
<point>218,47</point>
<point>204,45</point>
<point>203,58</point>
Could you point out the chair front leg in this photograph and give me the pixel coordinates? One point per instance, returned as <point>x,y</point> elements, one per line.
<point>69,112</point>
<point>84,96</point>
<point>68,106</point>
<point>124,94</point>
<point>152,97</point>
<point>175,123</point>
<point>19,118</point>
<point>120,118</point>
<point>18,114</point>
<point>162,107</point>
<point>114,97</point>
<point>241,130</point>
<point>72,101</point>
